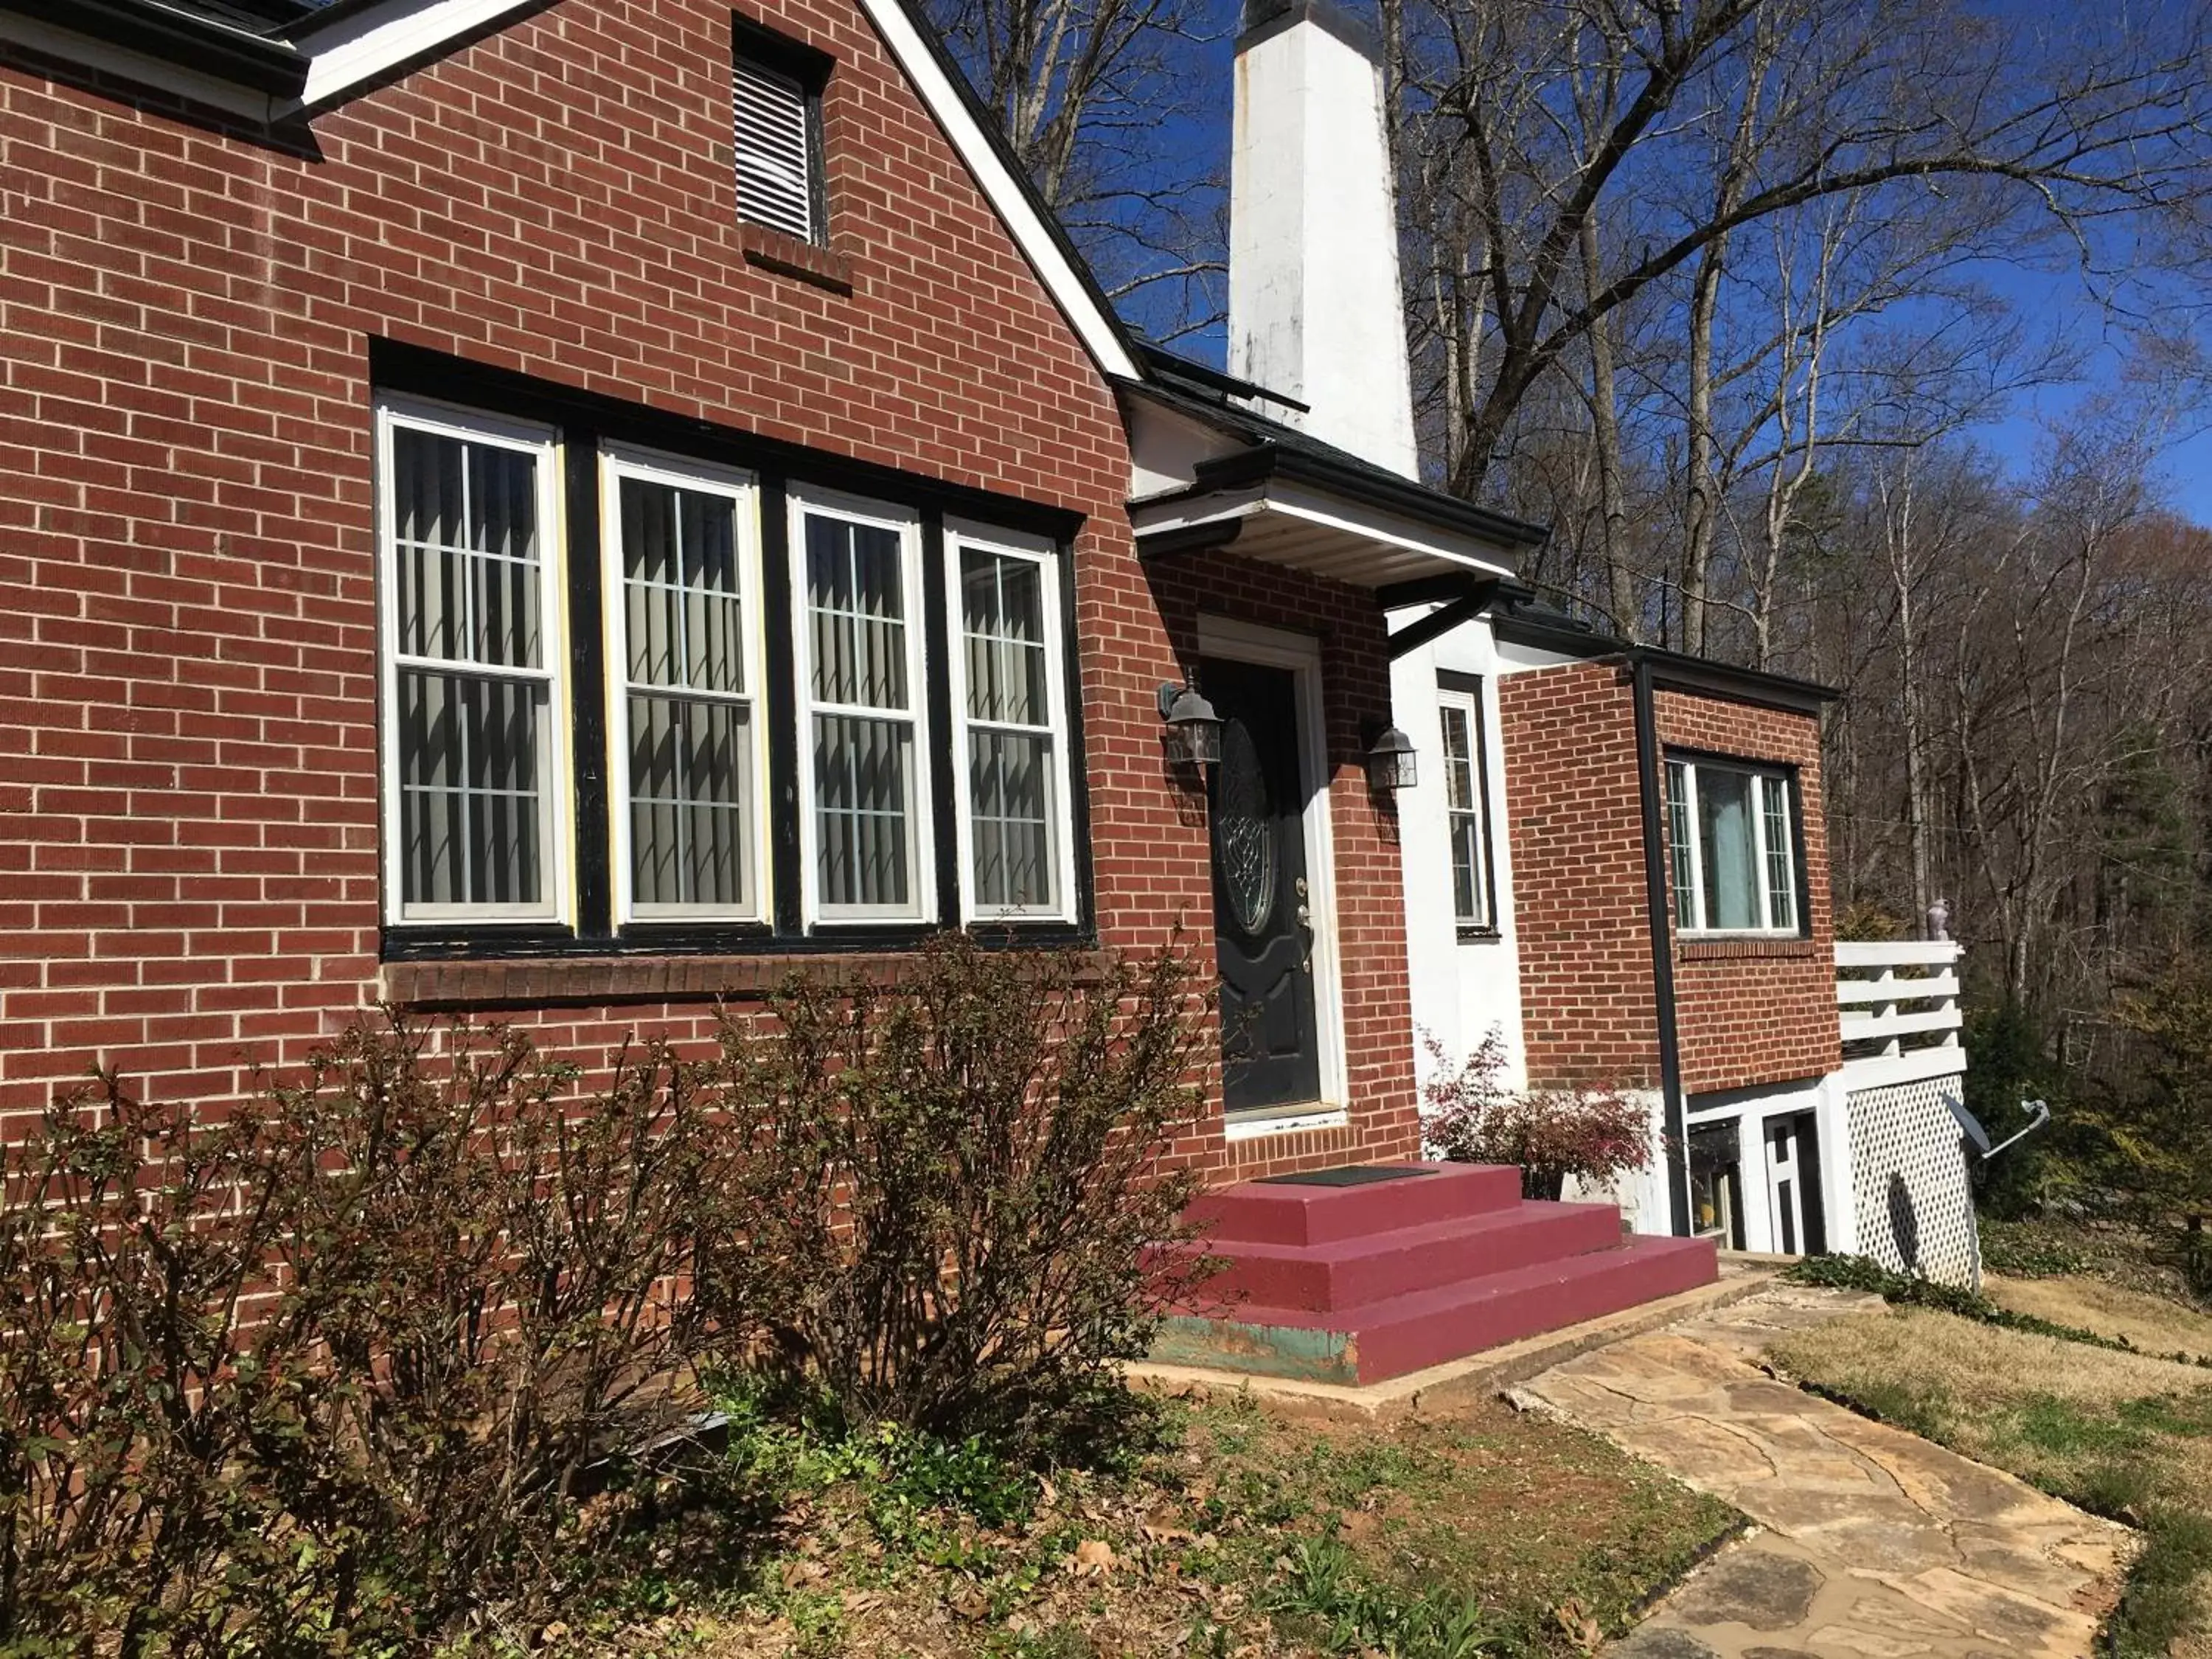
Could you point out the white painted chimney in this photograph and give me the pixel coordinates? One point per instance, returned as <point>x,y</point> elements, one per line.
<point>1315,311</point>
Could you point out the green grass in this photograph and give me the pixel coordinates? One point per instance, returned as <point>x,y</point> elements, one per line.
<point>1220,1530</point>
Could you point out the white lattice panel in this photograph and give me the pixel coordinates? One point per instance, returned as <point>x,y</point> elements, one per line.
<point>1916,1213</point>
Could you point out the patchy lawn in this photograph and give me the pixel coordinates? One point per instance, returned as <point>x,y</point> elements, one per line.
<point>1237,1533</point>
<point>2152,1323</point>
<point>2123,1434</point>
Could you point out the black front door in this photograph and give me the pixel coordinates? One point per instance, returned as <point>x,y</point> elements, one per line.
<point>1270,1042</point>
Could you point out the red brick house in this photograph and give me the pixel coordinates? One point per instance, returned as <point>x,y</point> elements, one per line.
<point>558,511</point>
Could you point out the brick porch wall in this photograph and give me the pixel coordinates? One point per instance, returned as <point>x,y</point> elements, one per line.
<point>1753,1012</point>
<point>1748,1013</point>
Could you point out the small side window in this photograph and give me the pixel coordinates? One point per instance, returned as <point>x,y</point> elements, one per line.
<point>777,89</point>
<point>1466,820</point>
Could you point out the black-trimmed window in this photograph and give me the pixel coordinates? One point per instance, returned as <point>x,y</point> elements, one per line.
<point>1467,804</point>
<point>1733,841</point>
<point>638,698</point>
<point>776,128</point>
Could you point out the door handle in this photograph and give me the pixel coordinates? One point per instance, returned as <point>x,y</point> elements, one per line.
<point>1305,929</point>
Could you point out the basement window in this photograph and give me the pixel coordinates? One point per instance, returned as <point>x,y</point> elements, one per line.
<point>1733,846</point>
<point>777,86</point>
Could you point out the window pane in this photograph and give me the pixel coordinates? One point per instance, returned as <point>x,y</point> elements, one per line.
<point>683,616</point>
<point>862,769</point>
<point>465,547</point>
<point>1681,852</point>
<point>1002,605</point>
<point>1781,876</point>
<point>690,766</point>
<point>1732,876</point>
<point>468,786</point>
<point>1459,759</point>
<point>1010,799</point>
<point>856,611</point>
<point>1470,894</point>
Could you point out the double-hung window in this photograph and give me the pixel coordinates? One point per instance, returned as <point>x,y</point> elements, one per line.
<point>1464,795</point>
<point>682,583</point>
<point>1733,843</point>
<point>477,817</point>
<point>1009,702</point>
<point>865,830</point>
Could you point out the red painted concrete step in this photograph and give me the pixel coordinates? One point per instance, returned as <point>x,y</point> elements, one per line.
<point>1401,1334</point>
<point>1348,1272</point>
<point>1277,1212</point>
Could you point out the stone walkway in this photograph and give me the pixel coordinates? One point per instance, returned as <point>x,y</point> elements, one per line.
<point>1872,1543</point>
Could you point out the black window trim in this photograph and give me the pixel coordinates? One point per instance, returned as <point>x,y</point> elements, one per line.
<point>585,420</point>
<point>1470,686</point>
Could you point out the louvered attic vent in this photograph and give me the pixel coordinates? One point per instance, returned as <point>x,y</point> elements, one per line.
<point>775,151</point>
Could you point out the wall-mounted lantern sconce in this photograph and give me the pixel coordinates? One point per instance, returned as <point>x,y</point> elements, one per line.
<point>1390,762</point>
<point>1193,729</point>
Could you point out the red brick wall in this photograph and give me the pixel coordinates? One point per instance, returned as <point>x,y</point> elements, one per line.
<point>1749,1011</point>
<point>1576,820</point>
<point>188,822</point>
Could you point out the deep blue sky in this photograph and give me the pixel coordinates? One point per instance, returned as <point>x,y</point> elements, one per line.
<point>1200,139</point>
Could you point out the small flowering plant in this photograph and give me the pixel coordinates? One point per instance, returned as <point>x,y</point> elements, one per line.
<point>1469,1116</point>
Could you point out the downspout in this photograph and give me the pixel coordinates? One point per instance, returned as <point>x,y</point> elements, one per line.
<point>1662,949</point>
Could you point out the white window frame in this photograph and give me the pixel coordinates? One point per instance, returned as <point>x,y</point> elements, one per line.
<point>1470,705</point>
<point>814,912</point>
<point>616,463</point>
<point>1768,927</point>
<point>556,803</point>
<point>959,536</point>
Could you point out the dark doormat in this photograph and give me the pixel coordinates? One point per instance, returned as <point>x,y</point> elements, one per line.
<point>1352,1174</point>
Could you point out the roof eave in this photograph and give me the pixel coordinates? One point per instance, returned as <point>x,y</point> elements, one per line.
<point>150,29</point>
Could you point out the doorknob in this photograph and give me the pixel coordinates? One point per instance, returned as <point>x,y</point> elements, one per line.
<point>1305,917</point>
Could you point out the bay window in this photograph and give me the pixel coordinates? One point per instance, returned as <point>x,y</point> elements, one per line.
<point>649,685</point>
<point>1732,845</point>
<point>1009,702</point>
<point>474,814</point>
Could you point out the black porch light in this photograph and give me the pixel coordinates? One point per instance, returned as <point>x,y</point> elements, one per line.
<point>1193,729</point>
<point>1390,765</point>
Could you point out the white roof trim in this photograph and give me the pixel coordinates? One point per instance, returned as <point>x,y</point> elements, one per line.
<point>1015,210</point>
<point>369,43</point>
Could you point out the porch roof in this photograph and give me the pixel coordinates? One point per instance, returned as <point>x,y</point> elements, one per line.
<point>1282,497</point>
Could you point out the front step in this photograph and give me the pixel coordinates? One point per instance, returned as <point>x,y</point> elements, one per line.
<point>1361,1274</point>
<point>1401,1334</point>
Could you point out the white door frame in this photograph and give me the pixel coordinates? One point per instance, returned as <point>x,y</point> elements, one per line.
<point>1275,647</point>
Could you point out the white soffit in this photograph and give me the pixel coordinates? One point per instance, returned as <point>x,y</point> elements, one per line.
<point>1283,524</point>
<point>370,43</point>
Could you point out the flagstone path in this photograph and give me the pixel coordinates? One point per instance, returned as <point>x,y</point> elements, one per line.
<point>1871,1543</point>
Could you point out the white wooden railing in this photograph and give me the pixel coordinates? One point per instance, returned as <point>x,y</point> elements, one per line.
<point>1898,1003</point>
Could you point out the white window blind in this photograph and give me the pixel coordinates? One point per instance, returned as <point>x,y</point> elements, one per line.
<point>475,791</point>
<point>680,549</point>
<point>774,150</point>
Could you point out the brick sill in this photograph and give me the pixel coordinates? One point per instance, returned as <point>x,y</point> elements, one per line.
<point>541,982</point>
<point>791,256</point>
<point>1737,950</point>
